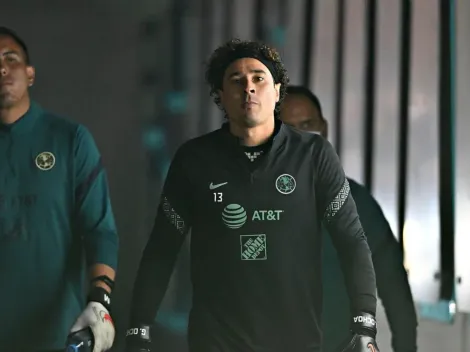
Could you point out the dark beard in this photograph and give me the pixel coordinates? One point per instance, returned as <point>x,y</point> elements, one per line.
<point>6,101</point>
<point>249,123</point>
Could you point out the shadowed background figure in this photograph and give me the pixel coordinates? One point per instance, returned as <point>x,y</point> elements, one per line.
<point>302,109</point>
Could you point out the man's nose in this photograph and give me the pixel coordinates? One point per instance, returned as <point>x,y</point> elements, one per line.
<point>3,68</point>
<point>250,87</point>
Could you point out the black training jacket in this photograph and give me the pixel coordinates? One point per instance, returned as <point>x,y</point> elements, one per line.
<point>255,242</point>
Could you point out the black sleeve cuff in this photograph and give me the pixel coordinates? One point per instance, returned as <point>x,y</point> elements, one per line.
<point>100,295</point>
<point>364,324</point>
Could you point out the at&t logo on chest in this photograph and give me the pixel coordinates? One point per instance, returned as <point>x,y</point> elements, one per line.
<point>235,216</point>
<point>267,215</point>
<point>45,161</point>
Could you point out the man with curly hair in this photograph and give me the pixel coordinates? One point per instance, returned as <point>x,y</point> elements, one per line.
<point>254,194</point>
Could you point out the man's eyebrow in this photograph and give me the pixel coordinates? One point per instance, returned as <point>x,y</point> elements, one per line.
<point>259,71</point>
<point>10,52</point>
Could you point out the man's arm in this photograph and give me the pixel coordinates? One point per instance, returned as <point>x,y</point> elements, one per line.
<point>392,281</point>
<point>94,216</point>
<point>103,271</point>
<point>172,223</point>
<point>94,221</point>
<point>338,209</point>
<point>336,206</point>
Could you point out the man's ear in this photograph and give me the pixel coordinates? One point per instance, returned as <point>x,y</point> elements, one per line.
<point>324,130</point>
<point>221,96</point>
<point>31,74</point>
<point>277,87</point>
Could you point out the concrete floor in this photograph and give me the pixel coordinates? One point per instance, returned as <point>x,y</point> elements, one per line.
<point>432,336</point>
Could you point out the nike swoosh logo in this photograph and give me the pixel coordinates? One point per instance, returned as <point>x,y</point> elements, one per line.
<point>212,186</point>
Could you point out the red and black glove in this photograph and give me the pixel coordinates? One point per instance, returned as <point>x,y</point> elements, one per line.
<point>96,317</point>
<point>363,332</point>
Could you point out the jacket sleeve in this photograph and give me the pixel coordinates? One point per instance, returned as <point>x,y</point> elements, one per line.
<point>338,210</point>
<point>172,223</point>
<point>94,217</point>
<point>392,281</point>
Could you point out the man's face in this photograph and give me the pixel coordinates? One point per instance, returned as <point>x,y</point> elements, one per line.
<point>15,75</point>
<point>249,94</point>
<point>299,112</point>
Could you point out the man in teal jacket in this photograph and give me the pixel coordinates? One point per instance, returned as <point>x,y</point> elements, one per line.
<point>302,109</point>
<point>55,216</point>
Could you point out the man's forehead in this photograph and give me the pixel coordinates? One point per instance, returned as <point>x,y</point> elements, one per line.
<point>7,43</point>
<point>296,101</point>
<point>245,66</point>
<point>300,107</point>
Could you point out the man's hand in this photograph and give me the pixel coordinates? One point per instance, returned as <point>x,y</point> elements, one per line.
<point>363,330</point>
<point>96,316</point>
<point>361,343</point>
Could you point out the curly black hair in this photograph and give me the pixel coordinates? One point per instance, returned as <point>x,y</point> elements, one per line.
<point>224,55</point>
